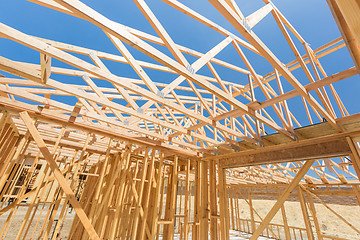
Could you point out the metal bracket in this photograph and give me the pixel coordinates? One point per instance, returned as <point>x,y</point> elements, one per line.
<point>246,25</point>
<point>190,69</point>
<point>160,94</point>
<point>140,110</point>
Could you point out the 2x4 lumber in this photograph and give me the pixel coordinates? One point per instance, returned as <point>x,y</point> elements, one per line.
<point>315,64</point>
<point>305,213</point>
<point>121,90</point>
<point>12,161</point>
<point>114,92</point>
<point>314,217</point>
<point>65,207</point>
<point>156,200</point>
<point>82,94</point>
<point>196,66</point>
<point>299,151</point>
<point>170,45</point>
<point>285,221</point>
<point>187,195</point>
<point>329,208</point>
<point>148,193</point>
<point>19,199</point>
<point>253,228</point>
<point>257,16</point>
<point>100,180</point>
<point>285,21</point>
<point>284,102</point>
<point>204,200</point>
<point>252,211</point>
<point>282,199</point>
<point>103,97</point>
<point>311,86</point>
<point>230,15</point>
<point>346,15</point>
<point>146,11</point>
<point>121,33</point>
<point>141,192</point>
<point>354,155</point>
<point>295,65</point>
<point>213,201</point>
<point>142,35</point>
<point>134,64</point>
<point>38,45</point>
<point>259,82</point>
<point>45,62</point>
<point>223,204</point>
<point>179,6</point>
<point>44,173</point>
<point>171,200</point>
<point>66,107</point>
<point>321,96</point>
<point>207,22</point>
<point>148,37</point>
<point>58,175</point>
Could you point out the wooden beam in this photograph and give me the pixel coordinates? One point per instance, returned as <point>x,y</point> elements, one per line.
<point>45,62</point>
<point>257,16</point>
<point>298,151</point>
<point>253,39</point>
<point>347,16</point>
<point>59,176</point>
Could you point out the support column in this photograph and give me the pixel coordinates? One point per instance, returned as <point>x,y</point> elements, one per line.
<point>224,205</point>
<point>204,192</point>
<point>213,201</point>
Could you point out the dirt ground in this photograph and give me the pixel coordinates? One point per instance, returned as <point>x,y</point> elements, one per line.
<point>18,219</point>
<point>330,224</point>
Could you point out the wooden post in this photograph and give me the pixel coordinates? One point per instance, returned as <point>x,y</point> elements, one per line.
<point>213,201</point>
<point>204,191</point>
<point>251,211</point>
<point>224,205</point>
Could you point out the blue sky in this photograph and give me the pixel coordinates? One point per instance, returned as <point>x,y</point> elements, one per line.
<point>312,19</point>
